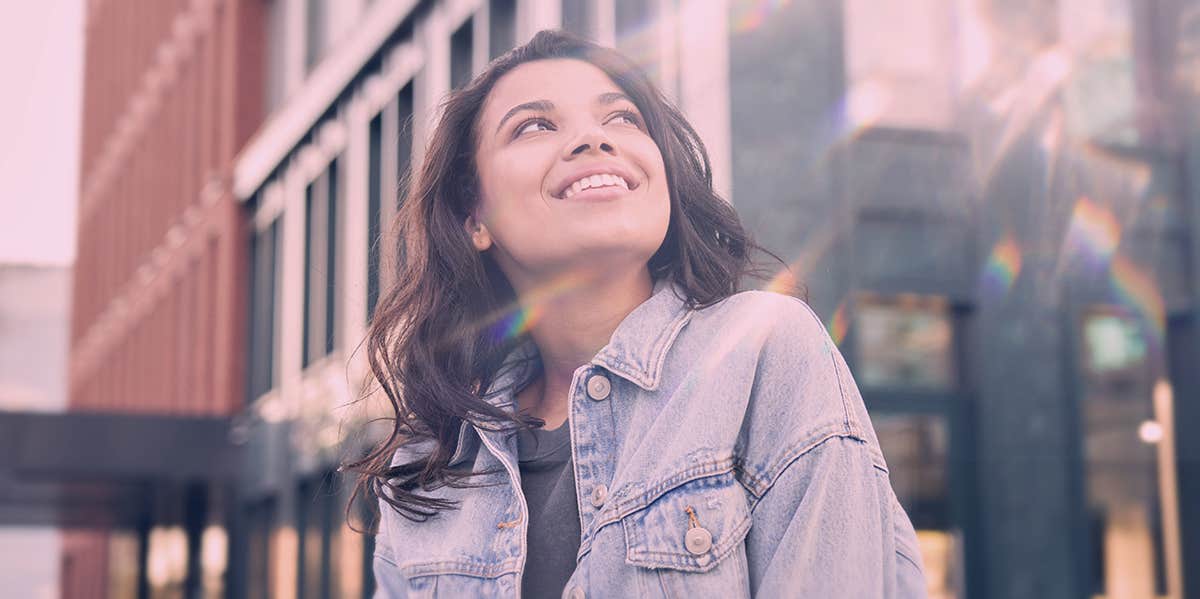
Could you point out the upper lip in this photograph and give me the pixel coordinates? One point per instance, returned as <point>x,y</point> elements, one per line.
<point>599,169</point>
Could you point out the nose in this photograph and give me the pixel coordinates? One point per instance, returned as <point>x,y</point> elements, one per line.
<point>593,138</point>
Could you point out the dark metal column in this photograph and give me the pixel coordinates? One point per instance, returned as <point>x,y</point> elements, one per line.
<point>195,518</point>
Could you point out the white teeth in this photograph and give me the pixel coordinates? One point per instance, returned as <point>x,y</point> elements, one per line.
<point>600,180</point>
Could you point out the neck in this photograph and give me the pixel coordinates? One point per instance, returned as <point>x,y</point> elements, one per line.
<point>573,324</point>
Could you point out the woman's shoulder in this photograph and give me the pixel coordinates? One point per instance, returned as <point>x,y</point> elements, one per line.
<point>799,387</point>
<point>779,322</point>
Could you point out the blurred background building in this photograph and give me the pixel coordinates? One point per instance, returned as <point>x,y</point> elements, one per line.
<point>34,318</point>
<point>992,203</point>
<point>138,471</point>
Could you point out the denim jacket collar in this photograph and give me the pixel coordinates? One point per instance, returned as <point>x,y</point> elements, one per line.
<point>636,351</point>
<point>639,346</point>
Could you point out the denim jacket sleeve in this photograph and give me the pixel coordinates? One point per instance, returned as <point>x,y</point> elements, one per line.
<point>826,520</point>
<point>840,532</point>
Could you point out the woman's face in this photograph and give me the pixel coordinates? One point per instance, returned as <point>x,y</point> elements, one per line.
<point>569,178</point>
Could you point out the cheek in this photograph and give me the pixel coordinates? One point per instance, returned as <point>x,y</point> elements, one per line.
<point>506,184</point>
<point>650,159</point>
<point>519,180</point>
<point>656,172</point>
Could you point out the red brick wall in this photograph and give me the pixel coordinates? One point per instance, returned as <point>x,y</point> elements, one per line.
<point>172,90</point>
<point>84,564</point>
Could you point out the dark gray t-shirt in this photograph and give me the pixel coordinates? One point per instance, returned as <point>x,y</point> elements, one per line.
<point>548,482</point>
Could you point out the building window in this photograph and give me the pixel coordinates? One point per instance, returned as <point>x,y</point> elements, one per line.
<point>260,528</point>
<point>904,342</point>
<point>388,176</point>
<point>462,45</point>
<point>404,147</point>
<point>637,34</point>
<point>1121,436</point>
<point>1100,94</point>
<point>315,503</point>
<point>316,18</point>
<point>320,264</point>
<point>502,26</point>
<point>374,204</point>
<point>264,252</point>
<point>577,17</point>
<point>276,54</point>
<point>917,448</point>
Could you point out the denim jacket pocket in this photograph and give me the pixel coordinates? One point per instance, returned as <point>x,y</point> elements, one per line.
<point>457,578</point>
<point>693,537</point>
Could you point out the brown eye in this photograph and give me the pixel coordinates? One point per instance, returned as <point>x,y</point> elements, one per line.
<point>627,115</point>
<point>529,126</point>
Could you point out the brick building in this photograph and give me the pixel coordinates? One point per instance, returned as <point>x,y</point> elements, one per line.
<point>171,92</point>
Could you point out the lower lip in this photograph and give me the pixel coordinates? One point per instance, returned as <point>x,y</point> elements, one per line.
<point>599,194</point>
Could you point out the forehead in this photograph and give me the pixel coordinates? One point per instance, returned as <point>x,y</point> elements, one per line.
<point>560,80</point>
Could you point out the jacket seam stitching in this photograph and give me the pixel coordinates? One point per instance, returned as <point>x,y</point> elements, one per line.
<point>763,483</point>
<point>788,462</point>
<point>382,556</point>
<point>848,420</point>
<point>458,567</point>
<point>908,559</point>
<point>667,339</point>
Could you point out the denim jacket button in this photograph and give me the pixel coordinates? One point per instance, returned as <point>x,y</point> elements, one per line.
<point>698,540</point>
<point>598,387</point>
<point>576,593</point>
<point>599,495</point>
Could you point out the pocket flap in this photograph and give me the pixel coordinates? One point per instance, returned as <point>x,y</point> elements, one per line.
<point>691,527</point>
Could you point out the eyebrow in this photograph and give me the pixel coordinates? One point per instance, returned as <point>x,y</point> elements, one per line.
<point>547,106</point>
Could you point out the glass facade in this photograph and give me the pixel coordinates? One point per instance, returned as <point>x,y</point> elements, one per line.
<point>1121,434</point>
<point>315,522</point>
<point>264,250</point>
<point>387,184</point>
<point>462,48</point>
<point>260,521</point>
<point>315,31</point>
<point>321,260</point>
<point>917,447</point>
<point>577,17</point>
<point>502,26</point>
<point>637,31</point>
<point>375,203</point>
<point>905,344</point>
<point>987,203</point>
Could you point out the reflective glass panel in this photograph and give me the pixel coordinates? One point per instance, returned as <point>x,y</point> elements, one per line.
<point>915,446</point>
<point>1121,448</point>
<point>904,342</point>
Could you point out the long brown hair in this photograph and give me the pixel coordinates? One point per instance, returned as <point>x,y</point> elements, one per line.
<point>429,345</point>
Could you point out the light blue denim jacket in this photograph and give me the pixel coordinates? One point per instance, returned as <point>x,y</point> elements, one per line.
<point>728,455</point>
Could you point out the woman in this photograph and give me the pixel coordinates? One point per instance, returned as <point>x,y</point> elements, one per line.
<point>585,404</point>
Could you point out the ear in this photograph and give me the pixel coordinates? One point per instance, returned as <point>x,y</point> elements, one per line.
<point>480,238</point>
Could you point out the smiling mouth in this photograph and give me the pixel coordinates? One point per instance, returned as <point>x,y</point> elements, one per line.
<point>601,181</point>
